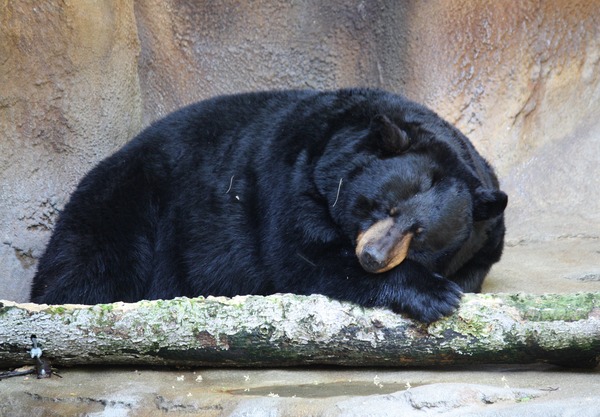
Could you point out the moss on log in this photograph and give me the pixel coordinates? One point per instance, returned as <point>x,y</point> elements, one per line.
<point>286,330</point>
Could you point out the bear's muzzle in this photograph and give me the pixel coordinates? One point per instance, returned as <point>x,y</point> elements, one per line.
<point>382,246</point>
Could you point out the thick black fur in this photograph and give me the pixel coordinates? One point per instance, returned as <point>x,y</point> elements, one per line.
<point>266,192</point>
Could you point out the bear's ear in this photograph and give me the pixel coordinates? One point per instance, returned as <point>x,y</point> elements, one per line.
<point>488,203</point>
<point>387,137</point>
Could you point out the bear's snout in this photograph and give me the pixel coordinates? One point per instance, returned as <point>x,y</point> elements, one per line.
<point>382,246</point>
<point>372,259</point>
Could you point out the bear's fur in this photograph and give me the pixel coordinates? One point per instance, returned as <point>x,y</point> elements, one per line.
<point>357,194</point>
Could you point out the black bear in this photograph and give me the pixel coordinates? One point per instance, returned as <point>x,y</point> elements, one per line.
<point>357,194</point>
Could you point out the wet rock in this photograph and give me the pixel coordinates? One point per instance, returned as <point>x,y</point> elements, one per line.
<point>434,399</point>
<point>490,391</point>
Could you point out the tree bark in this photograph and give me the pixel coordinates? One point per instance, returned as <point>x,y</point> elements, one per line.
<point>287,330</point>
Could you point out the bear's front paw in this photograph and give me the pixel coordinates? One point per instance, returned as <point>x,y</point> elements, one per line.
<point>436,298</point>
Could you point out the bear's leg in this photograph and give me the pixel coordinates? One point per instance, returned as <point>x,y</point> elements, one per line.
<point>471,275</point>
<point>409,288</point>
<point>102,249</point>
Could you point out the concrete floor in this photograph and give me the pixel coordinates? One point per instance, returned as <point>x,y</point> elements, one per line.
<point>556,266</point>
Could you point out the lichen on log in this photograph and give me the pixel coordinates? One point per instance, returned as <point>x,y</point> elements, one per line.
<point>287,330</point>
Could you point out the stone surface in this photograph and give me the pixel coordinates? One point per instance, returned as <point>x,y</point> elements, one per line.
<point>555,266</point>
<point>69,96</point>
<point>539,390</point>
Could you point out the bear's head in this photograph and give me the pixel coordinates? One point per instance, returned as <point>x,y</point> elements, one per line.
<point>405,195</point>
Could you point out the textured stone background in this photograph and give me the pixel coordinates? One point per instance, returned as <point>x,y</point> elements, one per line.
<point>80,78</point>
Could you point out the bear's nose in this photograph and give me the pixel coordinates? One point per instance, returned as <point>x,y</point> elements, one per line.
<point>372,259</point>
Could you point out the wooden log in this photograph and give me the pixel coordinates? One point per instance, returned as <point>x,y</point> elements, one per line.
<point>287,330</point>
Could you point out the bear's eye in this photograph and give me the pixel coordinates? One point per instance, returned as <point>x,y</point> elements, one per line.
<point>418,233</point>
<point>364,207</point>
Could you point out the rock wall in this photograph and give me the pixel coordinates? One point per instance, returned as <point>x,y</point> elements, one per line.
<point>69,95</point>
<point>78,79</point>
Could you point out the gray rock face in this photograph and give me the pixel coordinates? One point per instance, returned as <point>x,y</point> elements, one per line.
<point>523,81</point>
<point>70,95</point>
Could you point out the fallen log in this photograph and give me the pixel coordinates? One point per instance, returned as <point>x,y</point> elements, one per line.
<point>288,330</point>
